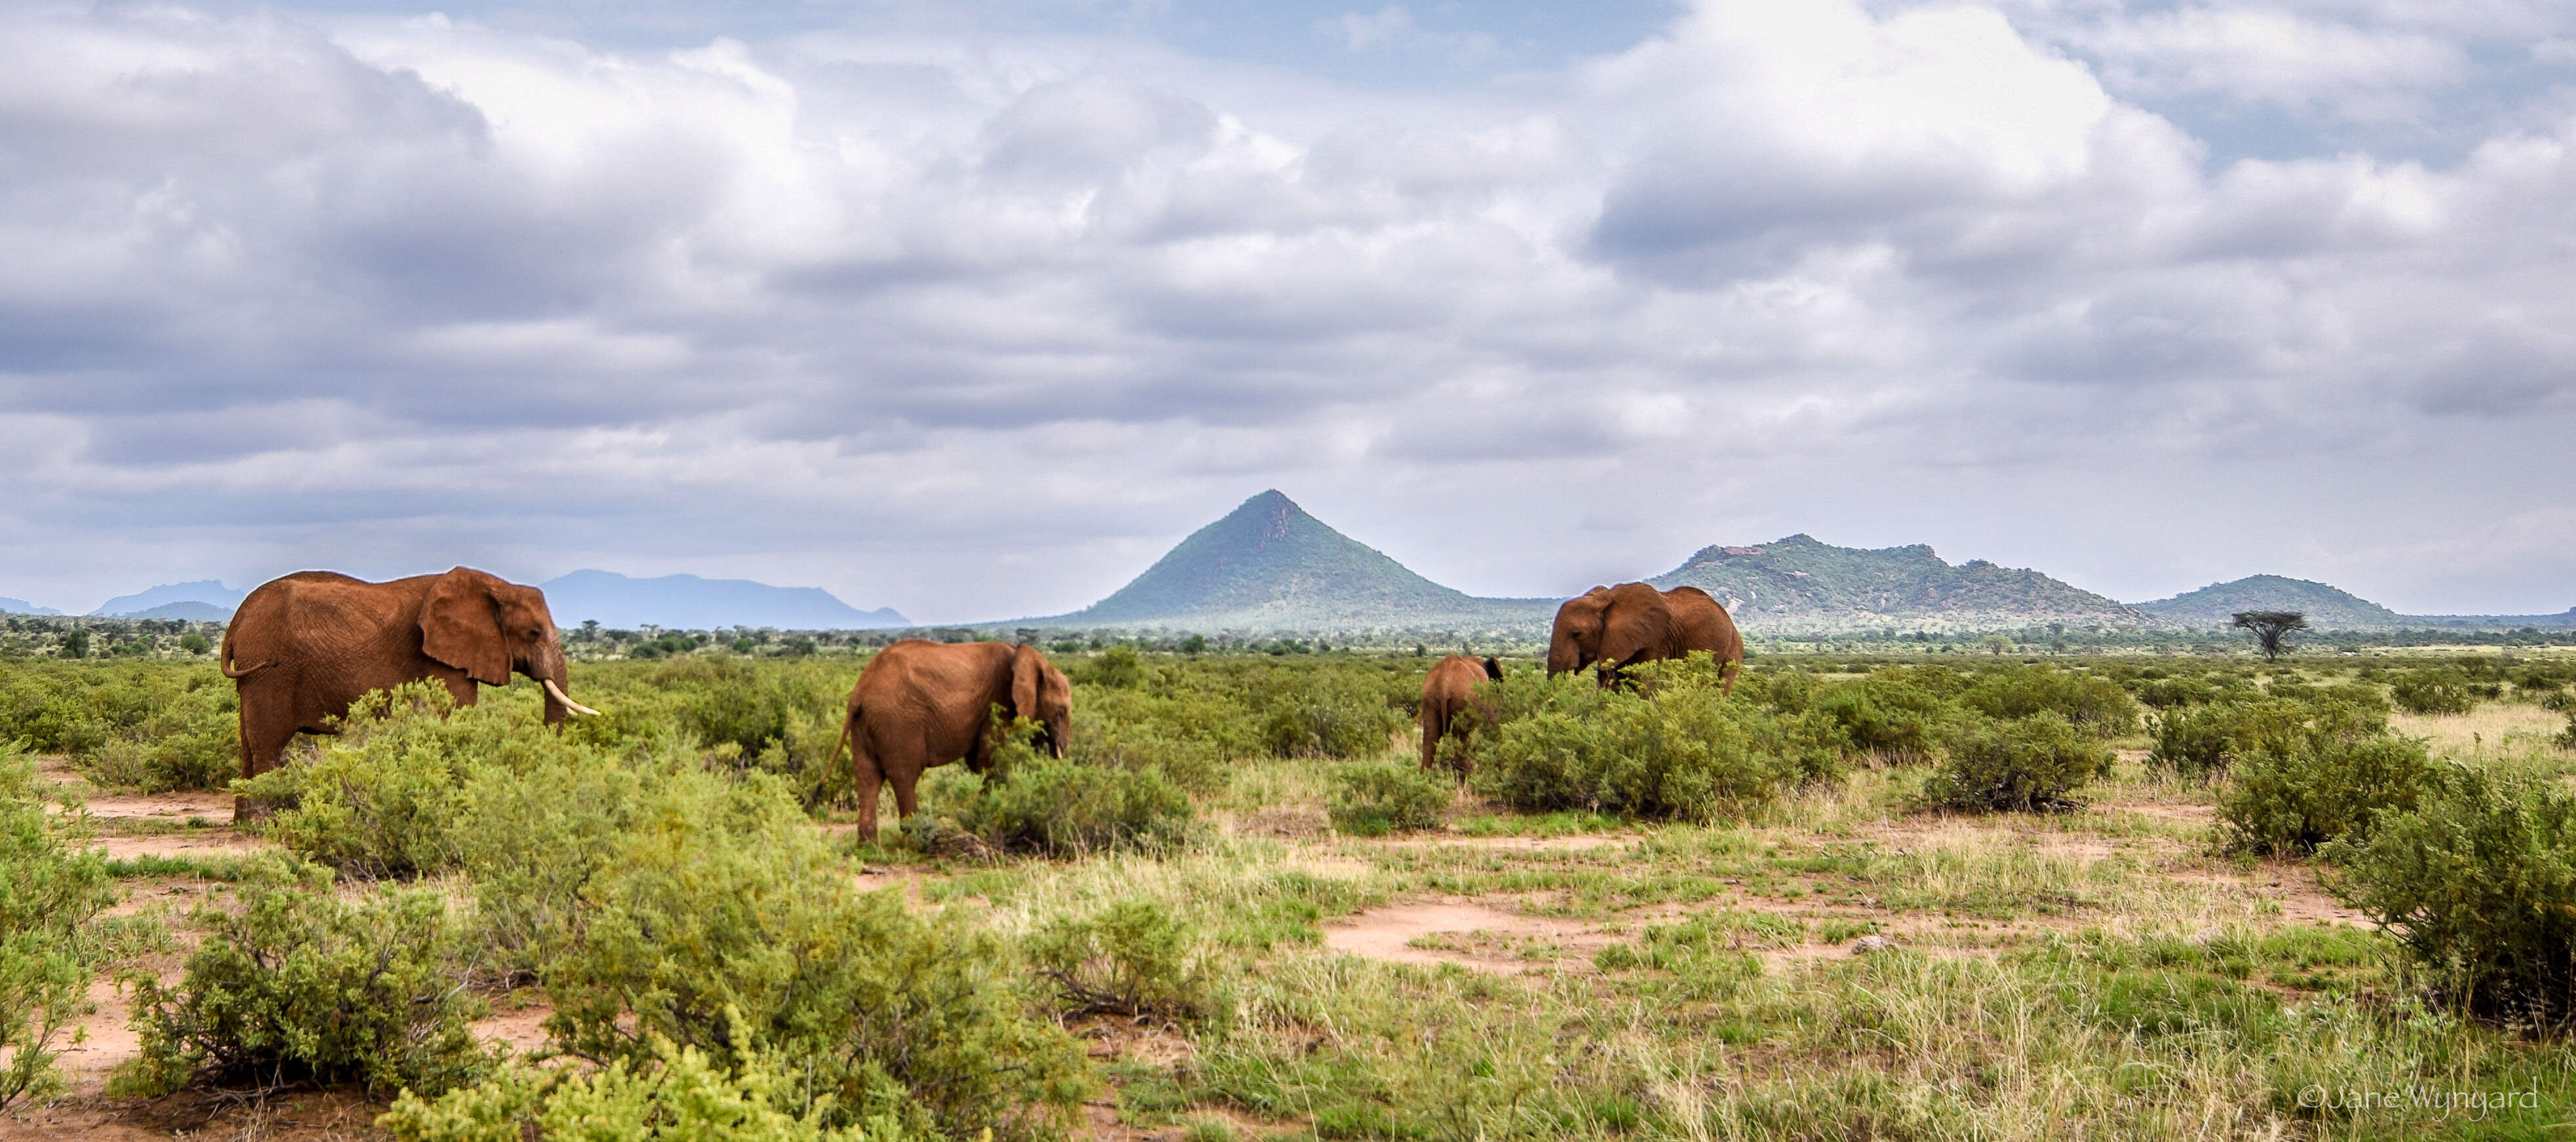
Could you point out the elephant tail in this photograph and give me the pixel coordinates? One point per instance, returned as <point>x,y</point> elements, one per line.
<point>849,718</point>
<point>224,659</point>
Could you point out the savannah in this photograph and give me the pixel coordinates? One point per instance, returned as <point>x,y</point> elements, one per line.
<point>1993,891</point>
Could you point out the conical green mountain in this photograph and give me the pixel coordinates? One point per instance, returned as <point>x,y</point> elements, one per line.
<point>1270,566</point>
<point>2327,608</point>
<point>1801,585</point>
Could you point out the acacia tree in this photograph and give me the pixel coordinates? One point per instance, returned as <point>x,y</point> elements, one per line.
<point>2269,626</point>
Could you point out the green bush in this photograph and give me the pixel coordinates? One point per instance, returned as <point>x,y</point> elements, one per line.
<point>2098,707</point>
<point>739,945</point>
<point>1891,717</point>
<point>2025,763</point>
<point>377,800</point>
<point>1671,749</point>
<point>2292,801</point>
<point>2478,886</point>
<point>49,893</point>
<point>300,985</point>
<point>145,725</point>
<point>2167,693</point>
<point>1064,808</point>
<point>2433,692</point>
<point>1374,798</point>
<point>2205,741</point>
<point>1131,958</point>
<point>679,1093</point>
<point>1327,714</point>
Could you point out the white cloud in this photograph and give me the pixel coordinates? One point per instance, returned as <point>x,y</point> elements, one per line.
<point>1362,32</point>
<point>973,326</point>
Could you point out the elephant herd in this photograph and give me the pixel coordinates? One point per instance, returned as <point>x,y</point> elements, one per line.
<point>1606,628</point>
<point>301,649</point>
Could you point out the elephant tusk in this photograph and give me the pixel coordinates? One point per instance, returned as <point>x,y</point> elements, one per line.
<point>556,692</point>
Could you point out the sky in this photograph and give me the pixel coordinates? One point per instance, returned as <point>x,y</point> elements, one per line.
<point>974,308</point>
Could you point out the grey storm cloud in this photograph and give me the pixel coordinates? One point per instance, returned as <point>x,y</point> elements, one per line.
<point>974,325</point>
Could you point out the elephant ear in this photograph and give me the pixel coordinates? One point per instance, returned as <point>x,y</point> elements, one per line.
<point>460,625</point>
<point>1028,668</point>
<point>1641,622</point>
<point>1493,669</point>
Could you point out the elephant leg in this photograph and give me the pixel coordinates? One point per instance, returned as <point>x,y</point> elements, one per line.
<point>1433,726</point>
<point>905,805</point>
<point>263,742</point>
<point>870,781</point>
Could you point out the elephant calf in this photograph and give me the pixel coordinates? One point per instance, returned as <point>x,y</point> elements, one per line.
<point>921,704</point>
<point>1446,693</point>
<point>303,647</point>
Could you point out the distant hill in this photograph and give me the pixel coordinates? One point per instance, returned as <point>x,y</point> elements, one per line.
<point>23,607</point>
<point>1269,566</point>
<point>192,611</point>
<point>686,602</point>
<point>1801,585</point>
<point>215,602</point>
<point>2327,608</point>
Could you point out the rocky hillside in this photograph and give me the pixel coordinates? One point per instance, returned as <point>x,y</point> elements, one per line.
<point>1269,566</point>
<point>1801,585</point>
<point>2327,608</point>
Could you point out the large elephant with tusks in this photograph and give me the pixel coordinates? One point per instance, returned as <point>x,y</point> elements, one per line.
<point>302,648</point>
<point>922,704</point>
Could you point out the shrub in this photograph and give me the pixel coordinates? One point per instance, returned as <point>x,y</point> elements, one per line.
<point>2478,886</point>
<point>376,801</point>
<point>742,946</point>
<point>2167,693</point>
<point>2432,692</point>
<point>300,985</point>
<point>2295,800</point>
<point>1318,713</point>
<point>146,725</point>
<point>1063,808</point>
<point>2096,706</point>
<point>1131,958</point>
<point>1889,716</point>
<point>1672,750</point>
<point>2205,741</point>
<point>1374,798</point>
<point>679,1093</point>
<point>49,894</point>
<point>2025,763</point>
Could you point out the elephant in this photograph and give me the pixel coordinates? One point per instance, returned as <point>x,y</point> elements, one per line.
<point>300,649</point>
<point>1447,692</point>
<point>1621,626</point>
<point>922,704</point>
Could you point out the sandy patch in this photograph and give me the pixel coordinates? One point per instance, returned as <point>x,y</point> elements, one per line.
<point>521,1028</point>
<point>1464,932</point>
<point>2292,887</point>
<point>207,842</point>
<point>163,806</point>
<point>106,1042</point>
<point>1563,843</point>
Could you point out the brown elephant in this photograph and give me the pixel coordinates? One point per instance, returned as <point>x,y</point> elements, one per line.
<point>1618,627</point>
<point>921,704</point>
<point>302,648</point>
<point>1447,692</point>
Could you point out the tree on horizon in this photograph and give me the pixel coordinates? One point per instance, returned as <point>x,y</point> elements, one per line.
<point>2269,626</point>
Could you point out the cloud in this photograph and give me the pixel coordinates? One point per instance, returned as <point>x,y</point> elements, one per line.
<point>1362,32</point>
<point>974,326</point>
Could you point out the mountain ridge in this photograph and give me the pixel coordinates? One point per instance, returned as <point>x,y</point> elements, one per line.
<point>1269,565</point>
<point>1799,584</point>
<point>687,602</point>
<point>215,602</point>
